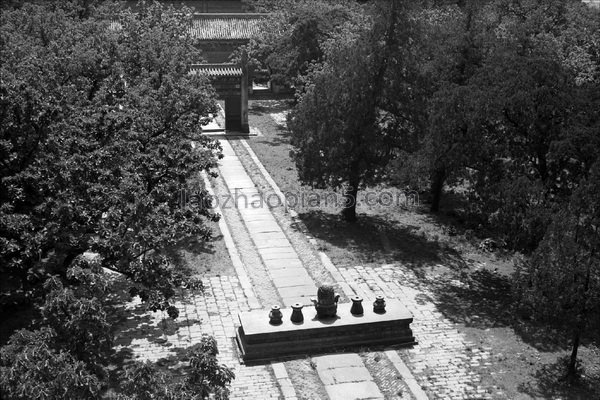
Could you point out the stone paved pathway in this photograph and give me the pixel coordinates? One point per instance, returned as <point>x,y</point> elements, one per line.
<point>155,337</point>
<point>444,363</point>
<point>285,269</point>
<point>288,274</point>
<point>346,377</point>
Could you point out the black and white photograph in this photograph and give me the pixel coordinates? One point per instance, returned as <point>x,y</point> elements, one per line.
<point>299,199</point>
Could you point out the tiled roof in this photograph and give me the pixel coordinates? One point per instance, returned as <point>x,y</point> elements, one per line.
<point>217,70</point>
<point>220,26</point>
<point>226,26</point>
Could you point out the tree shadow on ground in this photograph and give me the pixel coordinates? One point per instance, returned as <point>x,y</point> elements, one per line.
<point>282,137</point>
<point>550,383</point>
<point>481,299</point>
<point>484,299</point>
<point>136,321</point>
<point>260,107</point>
<point>373,239</point>
<point>176,366</point>
<point>142,325</point>
<point>259,114</point>
<point>193,245</point>
<point>478,298</point>
<point>197,258</point>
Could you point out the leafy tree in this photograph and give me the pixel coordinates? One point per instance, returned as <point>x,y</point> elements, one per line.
<point>207,375</point>
<point>78,315</point>
<point>292,36</point>
<point>67,355</point>
<point>539,110</point>
<point>143,381</point>
<point>99,132</point>
<point>450,48</point>
<point>344,130</point>
<point>96,124</point>
<point>561,283</point>
<point>32,368</point>
<point>453,141</point>
<point>509,87</point>
<point>74,340</point>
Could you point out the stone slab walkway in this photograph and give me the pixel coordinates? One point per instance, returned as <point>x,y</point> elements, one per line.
<point>276,251</point>
<point>346,377</point>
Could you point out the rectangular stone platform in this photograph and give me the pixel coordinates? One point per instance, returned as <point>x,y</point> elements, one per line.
<point>259,340</point>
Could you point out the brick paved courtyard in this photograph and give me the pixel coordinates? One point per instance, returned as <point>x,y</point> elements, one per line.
<point>443,365</point>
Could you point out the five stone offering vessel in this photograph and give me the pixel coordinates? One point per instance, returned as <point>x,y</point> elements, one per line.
<point>326,302</point>
<point>336,325</point>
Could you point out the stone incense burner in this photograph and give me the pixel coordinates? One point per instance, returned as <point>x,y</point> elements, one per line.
<point>326,302</point>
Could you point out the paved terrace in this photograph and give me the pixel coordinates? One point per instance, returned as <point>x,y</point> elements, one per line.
<point>276,264</point>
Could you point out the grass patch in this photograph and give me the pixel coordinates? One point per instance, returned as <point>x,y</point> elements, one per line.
<point>209,258</point>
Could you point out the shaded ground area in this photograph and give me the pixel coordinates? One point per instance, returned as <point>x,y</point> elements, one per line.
<point>470,287</point>
<point>404,242</point>
<point>208,258</point>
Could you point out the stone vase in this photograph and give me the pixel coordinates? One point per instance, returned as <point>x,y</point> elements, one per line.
<point>275,315</point>
<point>297,316</point>
<point>379,305</point>
<point>357,308</point>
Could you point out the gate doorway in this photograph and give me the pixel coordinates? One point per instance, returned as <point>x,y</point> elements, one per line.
<point>231,83</point>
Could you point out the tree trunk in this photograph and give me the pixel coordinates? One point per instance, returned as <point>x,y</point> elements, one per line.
<point>437,185</point>
<point>349,210</point>
<point>350,194</point>
<point>572,369</point>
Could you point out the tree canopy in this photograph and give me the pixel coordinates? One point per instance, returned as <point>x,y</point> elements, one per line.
<point>293,35</point>
<point>100,130</point>
<point>499,96</point>
<point>97,119</point>
<point>349,120</point>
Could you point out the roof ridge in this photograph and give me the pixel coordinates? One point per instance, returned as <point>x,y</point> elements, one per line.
<point>194,65</point>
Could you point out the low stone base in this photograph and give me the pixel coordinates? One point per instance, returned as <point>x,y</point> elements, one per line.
<point>259,340</point>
